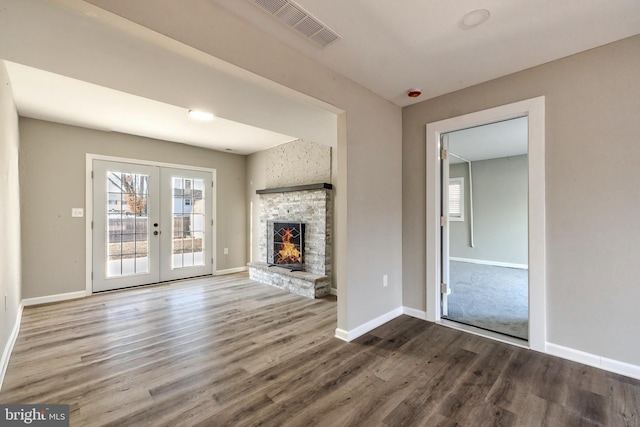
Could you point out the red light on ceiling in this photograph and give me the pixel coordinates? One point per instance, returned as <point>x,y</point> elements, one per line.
<point>414,93</point>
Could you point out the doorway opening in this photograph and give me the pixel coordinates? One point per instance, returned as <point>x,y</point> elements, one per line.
<point>484,237</point>
<point>533,110</point>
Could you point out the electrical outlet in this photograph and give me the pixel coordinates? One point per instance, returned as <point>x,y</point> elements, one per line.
<point>226,251</point>
<point>385,280</point>
<point>77,212</point>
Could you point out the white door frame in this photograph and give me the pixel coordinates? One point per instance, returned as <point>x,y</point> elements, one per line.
<point>534,109</point>
<point>89,207</point>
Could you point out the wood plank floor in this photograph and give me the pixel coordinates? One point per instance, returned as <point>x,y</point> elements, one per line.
<point>227,351</point>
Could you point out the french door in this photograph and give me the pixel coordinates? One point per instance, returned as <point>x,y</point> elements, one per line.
<point>150,224</point>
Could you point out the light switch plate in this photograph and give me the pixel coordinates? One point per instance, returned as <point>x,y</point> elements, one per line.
<point>77,212</point>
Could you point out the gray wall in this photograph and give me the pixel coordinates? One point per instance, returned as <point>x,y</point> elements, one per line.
<point>592,154</point>
<point>256,180</point>
<point>9,210</point>
<point>52,174</point>
<point>500,211</point>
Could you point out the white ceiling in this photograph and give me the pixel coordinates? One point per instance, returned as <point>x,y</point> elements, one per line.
<point>38,93</point>
<point>492,141</point>
<point>386,47</point>
<point>391,47</point>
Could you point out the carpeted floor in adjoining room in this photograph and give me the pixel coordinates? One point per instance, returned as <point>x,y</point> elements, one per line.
<point>489,297</point>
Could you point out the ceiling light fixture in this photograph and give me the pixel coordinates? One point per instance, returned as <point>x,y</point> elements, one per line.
<point>474,18</point>
<point>414,93</point>
<point>200,115</point>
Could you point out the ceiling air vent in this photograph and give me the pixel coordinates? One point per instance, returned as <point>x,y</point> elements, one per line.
<point>294,16</point>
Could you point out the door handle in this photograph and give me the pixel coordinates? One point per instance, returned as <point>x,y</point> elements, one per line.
<point>155,233</point>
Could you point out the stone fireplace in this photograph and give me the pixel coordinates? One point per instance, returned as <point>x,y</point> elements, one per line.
<point>295,239</point>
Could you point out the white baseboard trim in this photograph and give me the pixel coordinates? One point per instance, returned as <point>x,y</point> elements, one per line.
<point>342,334</point>
<point>8,348</point>
<point>53,298</point>
<point>230,271</point>
<point>596,361</point>
<point>493,263</point>
<point>334,291</point>
<point>367,327</point>
<point>418,314</point>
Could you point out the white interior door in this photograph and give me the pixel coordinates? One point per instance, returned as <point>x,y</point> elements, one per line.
<point>150,224</point>
<point>445,286</point>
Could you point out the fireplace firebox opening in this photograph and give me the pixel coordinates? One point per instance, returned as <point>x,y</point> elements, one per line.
<point>287,249</point>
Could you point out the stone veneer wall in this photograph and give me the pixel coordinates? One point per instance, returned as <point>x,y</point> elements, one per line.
<point>314,209</point>
<point>297,163</point>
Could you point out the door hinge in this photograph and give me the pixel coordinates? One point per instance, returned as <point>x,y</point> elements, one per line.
<point>212,184</point>
<point>443,154</point>
<point>92,225</point>
<point>91,174</point>
<point>92,275</point>
<point>443,221</point>
<point>212,222</point>
<point>445,289</point>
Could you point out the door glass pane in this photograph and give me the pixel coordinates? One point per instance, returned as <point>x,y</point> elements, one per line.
<point>188,213</point>
<point>187,259</point>
<point>114,248</point>
<point>127,231</point>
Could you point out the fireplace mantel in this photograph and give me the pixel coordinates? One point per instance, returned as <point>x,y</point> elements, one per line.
<point>307,187</point>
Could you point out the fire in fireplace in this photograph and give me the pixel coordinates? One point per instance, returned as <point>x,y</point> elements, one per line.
<point>288,245</point>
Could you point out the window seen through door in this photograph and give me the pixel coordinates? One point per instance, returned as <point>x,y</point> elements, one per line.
<point>456,199</point>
